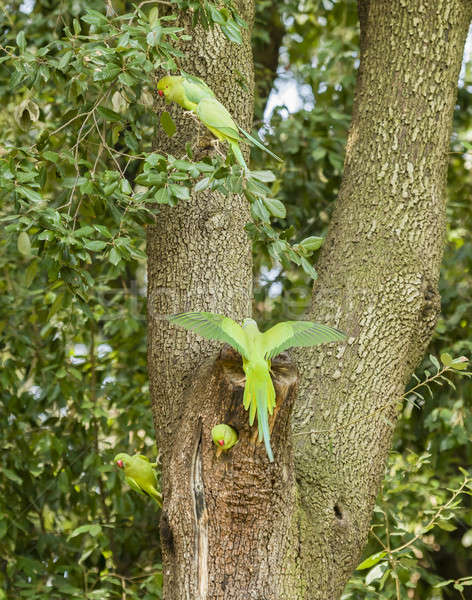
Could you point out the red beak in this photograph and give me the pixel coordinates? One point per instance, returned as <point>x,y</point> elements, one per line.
<point>119,463</point>
<point>160,92</point>
<point>221,442</point>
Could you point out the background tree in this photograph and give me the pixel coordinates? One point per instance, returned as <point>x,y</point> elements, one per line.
<point>73,380</point>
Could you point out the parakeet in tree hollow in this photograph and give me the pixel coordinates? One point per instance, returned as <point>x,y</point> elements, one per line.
<point>257,349</point>
<point>224,437</point>
<point>139,474</point>
<point>194,95</point>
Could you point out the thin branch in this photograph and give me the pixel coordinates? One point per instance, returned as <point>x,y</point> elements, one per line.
<point>436,516</point>
<point>381,408</point>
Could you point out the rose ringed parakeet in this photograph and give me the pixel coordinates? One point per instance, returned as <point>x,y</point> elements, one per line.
<point>257,349</point>
<point>194,95</point>
<point>224,437</point>
<point>139,474</point>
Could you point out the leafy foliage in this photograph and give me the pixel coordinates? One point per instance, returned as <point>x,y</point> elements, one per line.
<point>80,179</point>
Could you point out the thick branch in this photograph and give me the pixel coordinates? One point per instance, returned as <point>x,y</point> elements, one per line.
<point>378,273</point>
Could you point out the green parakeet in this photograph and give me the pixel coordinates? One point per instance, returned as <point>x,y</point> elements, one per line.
<point>257,349</point>
<point>139,474</point>
<point>193,94</point>
<point>224,437</point>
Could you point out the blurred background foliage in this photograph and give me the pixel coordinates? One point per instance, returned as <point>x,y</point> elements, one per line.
<point>73,383</point>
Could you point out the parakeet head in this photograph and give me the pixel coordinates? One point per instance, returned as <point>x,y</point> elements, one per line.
<point>121,459</point>
<point>171,88</point>
<point>223,435</point>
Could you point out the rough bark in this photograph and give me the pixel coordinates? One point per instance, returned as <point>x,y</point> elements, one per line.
<point>378,275</point>
<point>199,259</point>
<point>239,528</point>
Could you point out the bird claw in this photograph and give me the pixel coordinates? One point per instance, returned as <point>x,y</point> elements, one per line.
<point>216,145</point>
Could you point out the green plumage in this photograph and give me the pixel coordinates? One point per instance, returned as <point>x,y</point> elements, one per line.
<point>193,94</point>
<point>224,436</point>
<point>140,474</point>
<point>257,349</point>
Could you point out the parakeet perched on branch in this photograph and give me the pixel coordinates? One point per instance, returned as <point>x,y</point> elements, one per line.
<point>257,349</point>
<point>139,474</point>
<point>193,94</point>
<point>224,437</point>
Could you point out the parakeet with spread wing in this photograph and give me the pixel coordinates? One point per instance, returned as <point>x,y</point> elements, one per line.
<point>194,95</point>
<point>257,349</point>
<point>140,474</point>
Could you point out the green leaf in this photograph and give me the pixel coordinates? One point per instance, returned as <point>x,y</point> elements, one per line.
<point>21,41</point>
<point>202,184</point>
<point>259,211</point>
<point>446,525</point>
<point>179,191</point>
<point>467,539</point>
<point>311,243</point>
<point>376,573</point>
<point>266,176</point>
<point>29,193</point>
<point>51,156</point>
<point>93,529</point>
<point>64,60</point>
<point>114,256</point>
<point>231,31</point>
<point>371,560</point>
<point>109,114</point>
<point>12,476</point>
<point>154,36</point>
<point>308,268</point>
<point>275,207</point>
<point>162,196</point>
<point>446,359</point>
<point>24,244</point>
<point>459,364</point>
<point>168,124</point>
<point>106,73</point>
<point>435,362</point>
<point>93,17</point>
<point>153,16</point>
<point>95,245</point>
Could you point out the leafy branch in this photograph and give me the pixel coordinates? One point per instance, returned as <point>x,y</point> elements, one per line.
<point>449,365</point>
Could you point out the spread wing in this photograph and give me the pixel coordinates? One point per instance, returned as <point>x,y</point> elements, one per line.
<point>214,327</point>
<point>297,333</point>
<point>213,114</point>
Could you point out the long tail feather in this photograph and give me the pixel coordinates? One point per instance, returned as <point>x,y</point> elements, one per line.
<point>239,155</point>
<point>259,396</point>
<point>259,144</point>
<point>263,424</point>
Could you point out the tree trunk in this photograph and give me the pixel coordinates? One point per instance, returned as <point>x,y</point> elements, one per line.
<point>199,258</point>
<point>379,275</point>
<point>239,527</point>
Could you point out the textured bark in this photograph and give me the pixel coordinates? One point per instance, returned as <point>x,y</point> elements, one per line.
<point>237,527</point>
<point>199,259</point>
<point>378,275</point>
<point>232,541</point>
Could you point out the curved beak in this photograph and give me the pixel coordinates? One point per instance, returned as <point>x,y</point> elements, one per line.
<point>221,442</point>
<point>119,463</point>
<point>160,92</point>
